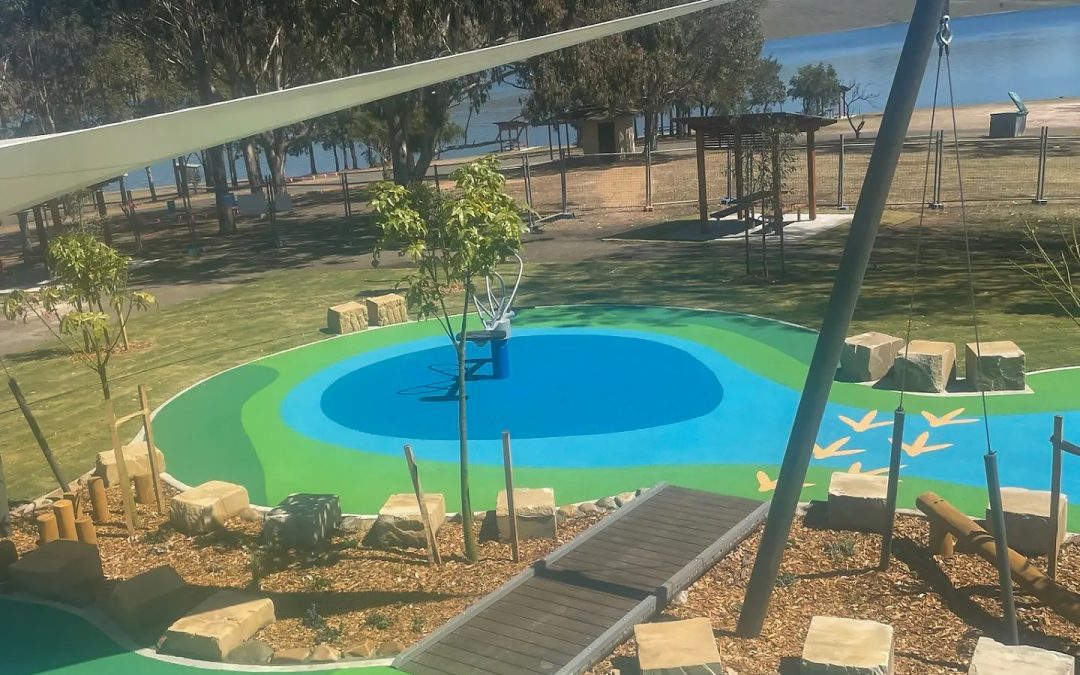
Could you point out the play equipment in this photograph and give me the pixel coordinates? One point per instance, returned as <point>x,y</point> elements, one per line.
<point>947,522</point>
<point>496,314</point>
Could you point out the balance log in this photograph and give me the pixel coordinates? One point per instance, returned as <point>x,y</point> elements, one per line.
<point>979,541</point>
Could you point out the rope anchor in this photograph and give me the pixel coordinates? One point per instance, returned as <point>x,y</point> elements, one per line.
<point>945,34</point>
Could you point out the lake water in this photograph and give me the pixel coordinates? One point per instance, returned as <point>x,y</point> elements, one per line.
<point>1035,53</point>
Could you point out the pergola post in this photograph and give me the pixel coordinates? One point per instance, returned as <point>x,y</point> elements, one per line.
<point>739,178</point>
<point>702,187</point>
<point>811,175</point>
<point>778,207</point>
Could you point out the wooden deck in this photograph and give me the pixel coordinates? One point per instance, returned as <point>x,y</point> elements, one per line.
<point>571,609</point>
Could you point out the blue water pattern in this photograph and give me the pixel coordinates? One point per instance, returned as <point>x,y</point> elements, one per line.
<point>1034,52</point>
<point>595,398</point>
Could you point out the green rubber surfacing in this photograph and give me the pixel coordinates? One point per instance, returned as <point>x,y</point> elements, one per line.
<point>228,427</point>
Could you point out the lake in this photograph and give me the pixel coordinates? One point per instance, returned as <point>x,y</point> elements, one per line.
<point>1033,52</point>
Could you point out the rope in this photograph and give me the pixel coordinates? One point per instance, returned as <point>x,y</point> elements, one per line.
<point>967,252</point>
<point>919,232</point>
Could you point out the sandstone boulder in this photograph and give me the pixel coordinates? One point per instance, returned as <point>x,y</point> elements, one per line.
<point>850,646</point>
<point>995,366</point>
<point>857,502</point>
<point>385,310</point>
<point>150,601</point>
<point>135,456</point>
<point>302,521</point>
<point>1027,519</point>
<point>677,647</point>
<point>291,655</point>
<point>218,625</point>
<point>994,658</point>
<point>400,525</point>
<point>928,367</point>
<point>535,513</point>
<point>207,506</point>
<point>868,356</point>
<point>348,317</point>
<point>252,653</point>
<point>69,571</point>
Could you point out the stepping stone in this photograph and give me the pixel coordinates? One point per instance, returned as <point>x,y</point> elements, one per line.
<point>348,317</point>
<point>677,648</point>
<point>135,456</point>
<point>536,517</point>
<point>252,653</point>
<point>207,506</point>
<point>868,357</point>
<point>302,521</point>
<point>218,625</point>
<point>69,571</point>
<point>929,367</point>
<point>385,310</point>
<point>999,368</point>
<point>994,658</point>
<point>849,646</point>
<point>1027,519</point>
<point>399,523</point>
<point>150,601</point>
<point>857,502</point>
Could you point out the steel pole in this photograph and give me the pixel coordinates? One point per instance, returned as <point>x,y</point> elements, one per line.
<point>997,517</point>
<point>922,31</point>
<point>893,486</point>
<point>1055,495</point>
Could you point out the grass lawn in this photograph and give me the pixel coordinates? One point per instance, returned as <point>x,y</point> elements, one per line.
<point>184,343</point>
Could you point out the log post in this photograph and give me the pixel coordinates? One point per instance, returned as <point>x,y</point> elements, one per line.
<point>811,175</point>
<point>64,512</point>
<point>511,512</point>
<point>84,527</point>
<point>47,530</point>
<point>144,489</point>
<point>99,504</point>
<point>429,531</point>
<point>151,449</point>
<point>31,421</point>
<point>131,516</point>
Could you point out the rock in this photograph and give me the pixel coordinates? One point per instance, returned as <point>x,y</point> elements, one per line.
<point>388,649</point>
<point>360,650</point>
<point>928,367</point>
<point>324,654</point>
<point>291,655</point>
<point>607,504</point>
<point>43,505</point>
<point>69,571</point>
<point>252,653</point>
<point>348,317</point>
<point>624,498</point>
<point>136,458</point>
<point>857,502</point>
<point>207,506</point>
<point>868,357</point>
<point>1027,519</point>
<point>399,523</point>
<point>994,658</point>
<point>218,625</point>
<point>641,491</point>
<point>535,509</point>
<point>588,508</point>
<point>251,515</point>
<point>669,647</point>
<point>150,601</point>
<point>303,521</point>
<point>384,310</point>
<point>356,524</point>
<point>849,646</point>
<point>681,598</point>
<point>568,512</point>
<point>999,368</point>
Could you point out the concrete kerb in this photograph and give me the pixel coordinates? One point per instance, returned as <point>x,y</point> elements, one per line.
<point>112,631</point>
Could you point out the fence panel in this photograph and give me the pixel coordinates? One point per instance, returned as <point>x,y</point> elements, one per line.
<point>1062,168</point>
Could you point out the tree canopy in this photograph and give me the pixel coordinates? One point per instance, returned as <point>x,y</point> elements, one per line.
<point>817,86</point>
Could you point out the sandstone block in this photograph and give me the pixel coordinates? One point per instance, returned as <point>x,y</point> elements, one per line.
<point>324,654</point>
<point>1027,519</point>
<point>135,456</point>
<point>388,649</point>
<point>69,571</point>
<point>302,521</point>
<point>849,646</point>
<point>869,356</point>
<point>252,653</point>
<point>995,366</point>
<point>399,523</point>
<point>291,655</point>
<point>150,601</point>
<point>207,506</point>
<point>385,310</point>
<point>360,650</point>
<point>218,625</point>
<point>857,502</point>
<point>675,647</point>
<point>348,317</point>
<point>994,658</point>
<point>535,513</point>
<point>929,367</point>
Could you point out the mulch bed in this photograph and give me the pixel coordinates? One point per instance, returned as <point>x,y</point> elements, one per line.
<point>349,593</point>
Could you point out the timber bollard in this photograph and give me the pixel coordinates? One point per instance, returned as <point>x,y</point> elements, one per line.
<point>99,503</point>
<point>144,489</point>
<point>86,531</point>
<point>64,512</point>
<point>46,527</point>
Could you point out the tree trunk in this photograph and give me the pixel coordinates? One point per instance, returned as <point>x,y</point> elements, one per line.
<point>352,152</point>
<point>311,158</point>
<point>251,164</point>
<point>337,163</point>
<point>216,157</point>
<point>275,158</point>
<point>463,440</point>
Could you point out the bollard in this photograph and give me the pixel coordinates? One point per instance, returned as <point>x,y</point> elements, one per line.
<point>46,526</point>
<point>99,503</point>
<point>64,512</point>
<point>86,531</point>
<point>144,489</point>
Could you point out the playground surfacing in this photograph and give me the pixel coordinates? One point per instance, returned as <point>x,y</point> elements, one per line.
<point>600,400</point>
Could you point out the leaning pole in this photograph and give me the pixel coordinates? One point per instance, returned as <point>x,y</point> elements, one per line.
<point>922,31</point>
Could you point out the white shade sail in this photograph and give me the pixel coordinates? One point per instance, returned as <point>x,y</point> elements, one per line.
<point>37,168</point>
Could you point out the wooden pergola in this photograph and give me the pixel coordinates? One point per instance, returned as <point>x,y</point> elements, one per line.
<point>749,130</point>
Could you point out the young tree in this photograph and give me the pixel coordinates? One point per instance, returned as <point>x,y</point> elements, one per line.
<point>1054,263</point>
<point>453,238</point>
<point>817,86</point>
<point>852,93</point>
<point>88,306</point>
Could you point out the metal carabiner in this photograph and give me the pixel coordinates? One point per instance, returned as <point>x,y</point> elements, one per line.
<point>945,34</point>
